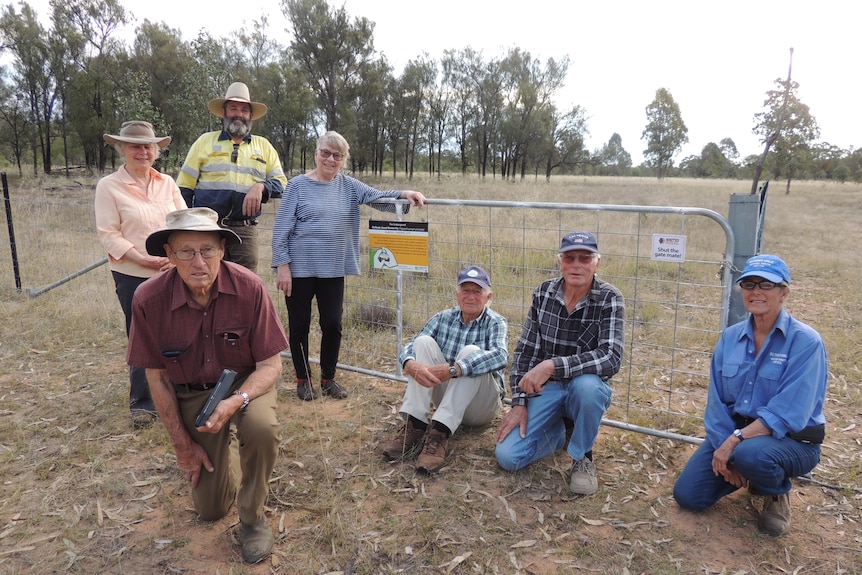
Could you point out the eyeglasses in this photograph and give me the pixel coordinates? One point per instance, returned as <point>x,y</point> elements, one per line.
<point>326,153</point>
<point>571,258</point>
<point>234,155</point>
<point>765,285</point>
<point>206,253</point>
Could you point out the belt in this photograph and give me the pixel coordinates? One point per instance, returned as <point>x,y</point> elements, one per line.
<point>197,386</point>
<point>743,421</point>
<point>240,223</point>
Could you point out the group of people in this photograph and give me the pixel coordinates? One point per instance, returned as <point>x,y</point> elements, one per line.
<point>209,311</point>
<point>184,255</point>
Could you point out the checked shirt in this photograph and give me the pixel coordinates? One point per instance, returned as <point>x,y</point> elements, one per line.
<point>589,340</point>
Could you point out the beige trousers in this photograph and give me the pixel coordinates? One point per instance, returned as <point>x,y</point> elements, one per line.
<point>473,401</point>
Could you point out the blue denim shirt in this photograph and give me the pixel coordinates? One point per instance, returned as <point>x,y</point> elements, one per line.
<point>784,385</point>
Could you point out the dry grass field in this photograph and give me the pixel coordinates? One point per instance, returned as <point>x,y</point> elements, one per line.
<point>81,492</point>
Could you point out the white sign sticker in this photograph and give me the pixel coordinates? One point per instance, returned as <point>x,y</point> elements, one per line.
<point>668,248</point>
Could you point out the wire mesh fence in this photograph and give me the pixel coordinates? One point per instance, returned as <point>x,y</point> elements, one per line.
<point>674,310</point>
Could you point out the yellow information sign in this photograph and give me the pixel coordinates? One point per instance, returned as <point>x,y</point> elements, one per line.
<point>398,245</point>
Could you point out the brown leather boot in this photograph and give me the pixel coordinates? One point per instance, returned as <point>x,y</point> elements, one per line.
<point>257,541</point>
<point>775,518</point>
<point>404,443</point>
<point>434,453</point>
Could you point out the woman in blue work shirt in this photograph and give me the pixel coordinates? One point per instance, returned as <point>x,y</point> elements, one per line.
<point>764,415</point>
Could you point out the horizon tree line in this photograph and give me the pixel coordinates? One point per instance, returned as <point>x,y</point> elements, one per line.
<point>75,80</point>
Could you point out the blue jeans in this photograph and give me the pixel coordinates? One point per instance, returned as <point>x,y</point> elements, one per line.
<point>584,400</point>
<point>766,462</point>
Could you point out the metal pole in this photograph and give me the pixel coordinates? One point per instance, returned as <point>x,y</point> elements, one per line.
<point>91,267</point>
<point>11,227</point>
<point>399,292</point>
<point>744,217</point>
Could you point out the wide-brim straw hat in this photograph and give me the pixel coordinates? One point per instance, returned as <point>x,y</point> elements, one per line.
<point>188,220</point>
<point>137,132</point>
<point>237,92</point>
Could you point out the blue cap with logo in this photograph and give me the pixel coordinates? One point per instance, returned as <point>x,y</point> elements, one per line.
<point>579,241</point>
<point>766,266</point>
<point>476,275</point>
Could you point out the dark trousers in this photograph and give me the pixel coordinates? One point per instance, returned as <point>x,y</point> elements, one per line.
<point>244,254</point>
<point>139,389</point>
<point>330,302</point>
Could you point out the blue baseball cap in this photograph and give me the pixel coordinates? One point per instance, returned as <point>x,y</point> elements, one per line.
<point>476,275</point>
<point>579,241</point>
<point>766,266</point>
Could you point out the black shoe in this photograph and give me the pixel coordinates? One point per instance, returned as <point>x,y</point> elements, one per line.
<point>305,390</point>
<point>143,418</point>
<point>333,389</point>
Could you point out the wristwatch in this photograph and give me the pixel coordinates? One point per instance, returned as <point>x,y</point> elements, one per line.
<point>245,399</point>
<point>737,433</point>
<point>453,373</point>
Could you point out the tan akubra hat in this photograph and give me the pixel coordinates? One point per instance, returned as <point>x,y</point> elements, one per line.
<point>237,92</point>
<point>188,220</point>
<point>137,132</point>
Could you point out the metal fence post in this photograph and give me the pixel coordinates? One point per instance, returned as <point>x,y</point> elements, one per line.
<point>11,227</point>
<point>744,220</point>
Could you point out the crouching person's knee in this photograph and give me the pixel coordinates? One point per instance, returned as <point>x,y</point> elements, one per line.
<point>506,458</point>
<point>688,500</point>
<point>213,511</point>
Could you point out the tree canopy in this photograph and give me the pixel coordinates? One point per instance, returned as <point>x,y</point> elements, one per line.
<point>665,132</point>
<point>66,83</point>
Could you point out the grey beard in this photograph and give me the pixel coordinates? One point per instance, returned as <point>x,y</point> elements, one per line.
<point>237,130</point>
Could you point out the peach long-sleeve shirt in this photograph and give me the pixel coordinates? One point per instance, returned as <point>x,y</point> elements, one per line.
<point>126,214</point>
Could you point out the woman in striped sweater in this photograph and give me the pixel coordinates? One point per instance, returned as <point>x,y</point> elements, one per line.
<point>315,244</point>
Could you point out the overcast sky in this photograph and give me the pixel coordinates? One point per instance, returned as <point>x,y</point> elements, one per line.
<point>717,62</point>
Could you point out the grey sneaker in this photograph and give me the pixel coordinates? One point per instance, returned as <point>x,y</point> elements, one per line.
<point>583,481</point>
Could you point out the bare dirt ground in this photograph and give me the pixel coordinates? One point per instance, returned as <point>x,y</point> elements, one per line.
<point>83,493</point>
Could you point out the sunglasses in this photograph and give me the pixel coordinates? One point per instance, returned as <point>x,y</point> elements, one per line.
<point>764,285</point>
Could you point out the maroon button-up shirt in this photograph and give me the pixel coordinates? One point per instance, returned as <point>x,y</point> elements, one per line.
<point>237,328</point>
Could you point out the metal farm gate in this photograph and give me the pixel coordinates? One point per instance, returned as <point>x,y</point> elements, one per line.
<point>675,310</point>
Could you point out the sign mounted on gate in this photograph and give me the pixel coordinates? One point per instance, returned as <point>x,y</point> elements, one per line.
<point>398,245</point>
<point>668,248</point>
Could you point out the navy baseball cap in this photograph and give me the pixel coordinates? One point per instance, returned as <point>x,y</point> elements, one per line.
<point>579,241</point>
<point>476,275</point>
<point>766,266</point>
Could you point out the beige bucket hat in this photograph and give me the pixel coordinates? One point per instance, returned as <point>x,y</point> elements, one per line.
<point>188,220</point>
<point>238,92</point>
<point>137,132</point>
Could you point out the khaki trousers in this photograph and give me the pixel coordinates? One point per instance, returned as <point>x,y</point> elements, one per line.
<point>258,435</point>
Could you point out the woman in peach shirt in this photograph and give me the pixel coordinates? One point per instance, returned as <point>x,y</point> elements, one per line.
<point>131,204</point>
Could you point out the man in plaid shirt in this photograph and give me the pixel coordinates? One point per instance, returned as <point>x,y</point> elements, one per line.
<point>456,362</point>
<point>570,346</point>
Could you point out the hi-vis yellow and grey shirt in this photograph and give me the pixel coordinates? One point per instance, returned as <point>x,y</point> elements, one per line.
<point>217,173</point>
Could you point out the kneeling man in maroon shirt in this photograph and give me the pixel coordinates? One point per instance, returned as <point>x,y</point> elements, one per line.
<point>188,325</point>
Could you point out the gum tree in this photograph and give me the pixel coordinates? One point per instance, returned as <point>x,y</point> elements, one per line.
<point>665,132</point>
<point>787,124</point>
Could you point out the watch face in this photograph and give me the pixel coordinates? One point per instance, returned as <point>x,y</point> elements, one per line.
<point>453,372</point>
